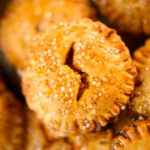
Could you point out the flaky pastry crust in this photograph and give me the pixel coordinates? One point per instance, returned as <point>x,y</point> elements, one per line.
<point>25,18</point>
<point>141,99</point>
<point>135,137</point>
<point>78,78</point>
<point>128,15</point>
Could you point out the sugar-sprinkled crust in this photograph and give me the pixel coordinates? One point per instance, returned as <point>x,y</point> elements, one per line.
<point>12,130</point>
<point>135,137</point>
<point>141,99</point>
<point>79,77</point>
<point>25,18</point>
<point>128,15</point>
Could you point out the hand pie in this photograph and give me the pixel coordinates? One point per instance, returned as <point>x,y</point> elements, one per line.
<point>141,99</point>
<point>128,15</point>
<point>79,77</point>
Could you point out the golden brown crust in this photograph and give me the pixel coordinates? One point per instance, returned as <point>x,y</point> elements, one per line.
<point>12,130</point>
<point>92,141</point>
<point>76,93</point>
<point>128,15</point>
<point>25,18</point>
<point>135,137</point>
<point>141,99</point>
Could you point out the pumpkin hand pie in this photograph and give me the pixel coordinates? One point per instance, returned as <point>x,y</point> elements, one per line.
<point>12,130</point>
<point>141,99</point>
<point>25,18</point>
<point>78,77</point>
<point>133,137</point>
<point>127,15</point>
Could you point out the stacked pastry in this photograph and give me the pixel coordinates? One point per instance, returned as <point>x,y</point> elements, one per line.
<point>82,88</point>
